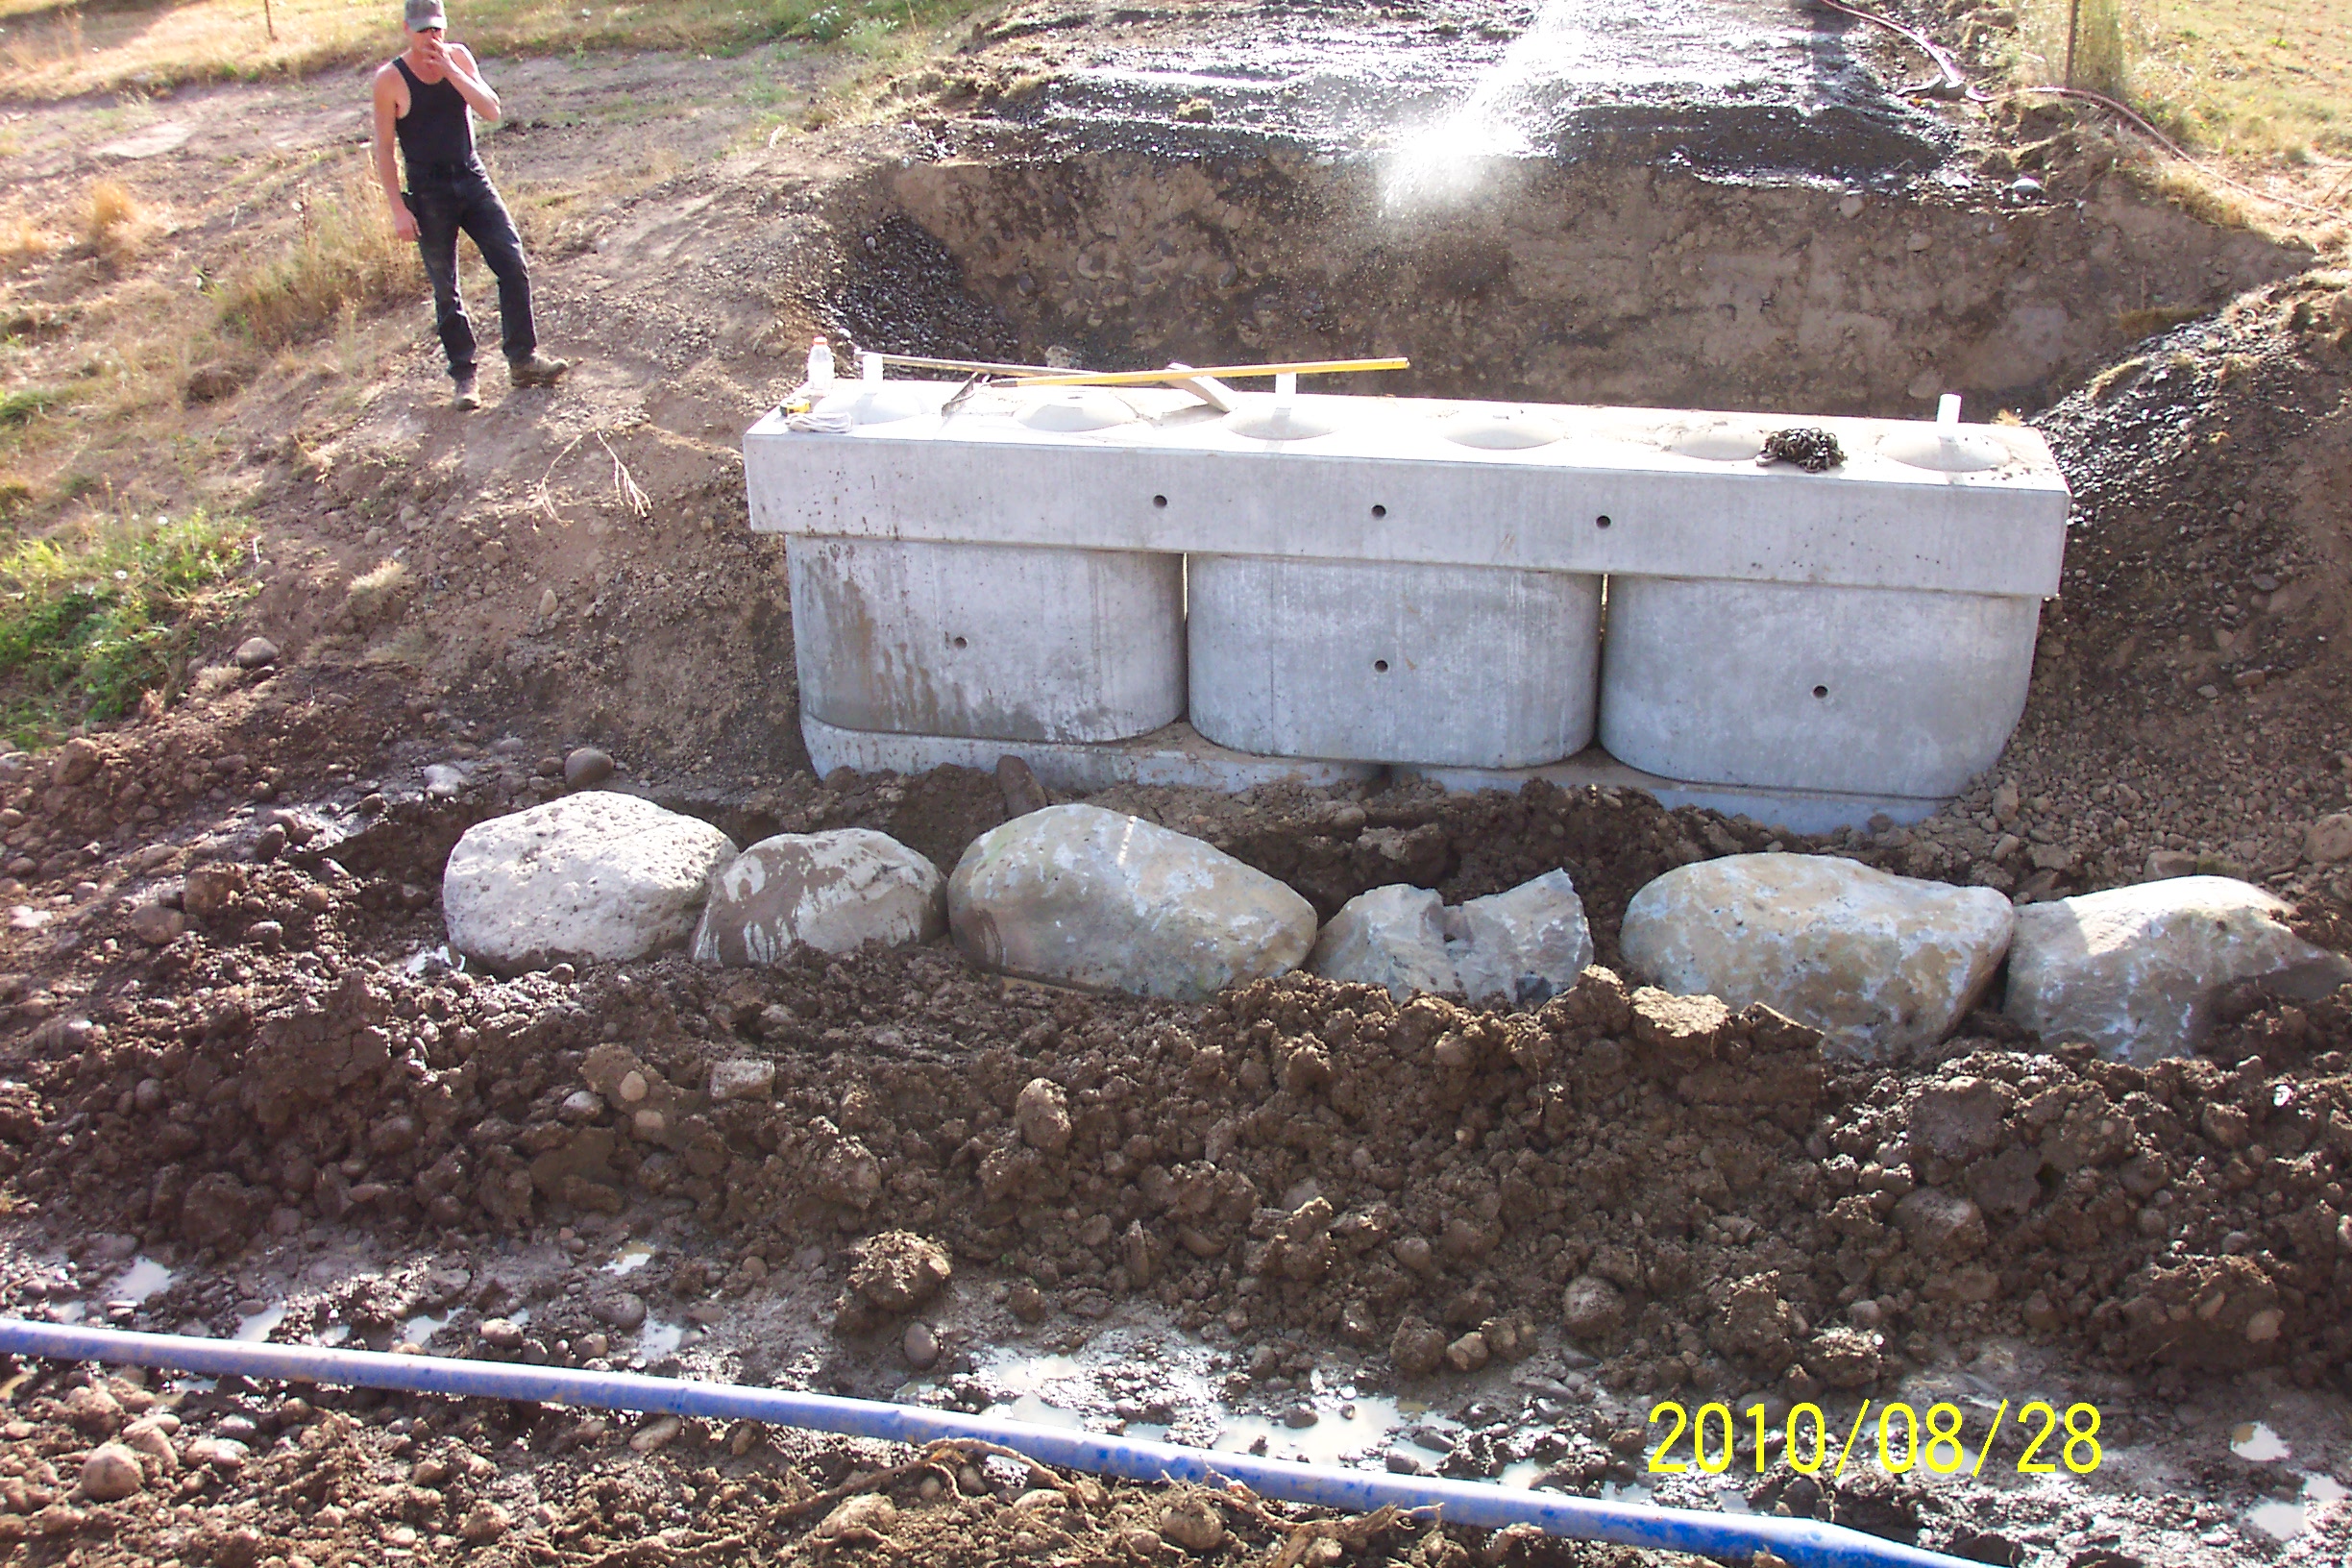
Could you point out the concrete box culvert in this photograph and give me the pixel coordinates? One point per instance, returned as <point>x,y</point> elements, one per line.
<point>1860,637</point>
<point>992,642</point>
<point>1438,665</point>
<point>1866,691</point>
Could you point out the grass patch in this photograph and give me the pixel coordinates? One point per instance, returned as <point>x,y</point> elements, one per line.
<point>88,623</point>
<point>346,260</point>
<point>49,50</point>
<point>23,404</point>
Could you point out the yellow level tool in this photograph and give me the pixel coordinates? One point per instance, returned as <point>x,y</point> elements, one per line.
<point>1145,378</point>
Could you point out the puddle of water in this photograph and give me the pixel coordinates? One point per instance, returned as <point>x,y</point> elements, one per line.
<point>1522,1475</point>
<point>257,1326</point>
<point>333,1335</point>
<point>141,1279</point>
<point>629,1258</point>
<point>1333,1437</point>
<point>2255,1440</point>
<point>71,1311</point>
<point>658,1338</point>
<point>420,1329</point>
<point>2280,1521</point>
<point>1632,1491</point>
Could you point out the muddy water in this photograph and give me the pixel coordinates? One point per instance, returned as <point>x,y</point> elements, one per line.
<point>1746,87</point>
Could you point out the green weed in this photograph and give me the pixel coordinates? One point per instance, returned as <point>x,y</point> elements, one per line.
<point>88,624</point>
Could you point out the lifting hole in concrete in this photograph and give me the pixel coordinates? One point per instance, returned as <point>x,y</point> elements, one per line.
<point>1159,500</point>
<point>1380,511</point>
<point>1601,522</point>
<point>1381,665</point>
<point>1821,690</point>
<point>961,643</point>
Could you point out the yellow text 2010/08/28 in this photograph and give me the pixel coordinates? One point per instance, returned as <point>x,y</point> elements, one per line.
<point>1905,1439</point>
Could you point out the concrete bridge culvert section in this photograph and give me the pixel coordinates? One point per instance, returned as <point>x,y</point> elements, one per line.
<point>1133,586</point>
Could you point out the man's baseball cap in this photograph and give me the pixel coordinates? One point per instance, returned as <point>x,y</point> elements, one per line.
<point>424,14</point>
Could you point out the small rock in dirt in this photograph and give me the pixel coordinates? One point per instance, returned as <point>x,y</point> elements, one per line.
<point>1081,896</point>
<point>594,876</point>
<point>741,1078</point>
<point>501,1334</point>
<point>655,1433</point>
<point>1876,962</point>
<point>1417,1349</point>
<point>834,891</point>
<point>485,1522</point>
<point>1018,784</point>
<point>1467,1353</point>
<point>112,1473</point>
<point>1844,1359</point>
<point>209,890</point>
<point>2135,970</point>
<point>584,767</point>
<point>898,1271</point>
<point>920,1346</point>
<point>864,1519</point>
<point>158,926</point>
<point>1393,936</point>
<point>93,1412</point>
<point>625,1312</point>
<point>255,651</point>
<point>1522,947</point>
<point>2329,839</point>
<point>1193,1523</point>
<point>1591,1308</point>
<point>1040,1113</point>
<point>151,1439</point>
<point>1941,1225</point>
<point>76,761</point>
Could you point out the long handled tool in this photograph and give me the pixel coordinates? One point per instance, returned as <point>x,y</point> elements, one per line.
<point>1179,373</point>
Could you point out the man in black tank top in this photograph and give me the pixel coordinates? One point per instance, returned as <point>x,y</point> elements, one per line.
<point>426,100</point>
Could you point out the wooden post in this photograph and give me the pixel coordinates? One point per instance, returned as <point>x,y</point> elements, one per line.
<point>2074,27</point>
<point>269,22</point>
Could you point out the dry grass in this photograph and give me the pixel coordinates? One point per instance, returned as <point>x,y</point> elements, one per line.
<point>114,222</point>
<point>49,50</point>
<point>344,260</point>
<point>23,241</point>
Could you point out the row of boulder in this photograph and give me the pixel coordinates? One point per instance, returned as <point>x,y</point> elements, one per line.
<point>1078,896</point>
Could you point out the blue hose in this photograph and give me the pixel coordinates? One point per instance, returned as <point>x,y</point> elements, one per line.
<point>1734,1537</point>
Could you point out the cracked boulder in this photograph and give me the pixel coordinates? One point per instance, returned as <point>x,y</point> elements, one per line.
<point>834,891</point>
<point>1878,963</point>
<point>2135,972</point>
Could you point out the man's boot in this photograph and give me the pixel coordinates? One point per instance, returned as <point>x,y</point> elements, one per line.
<point>467,397</point>
<point>536,371</point>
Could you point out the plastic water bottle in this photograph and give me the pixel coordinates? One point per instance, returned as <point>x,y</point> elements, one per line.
<point>820,364</point>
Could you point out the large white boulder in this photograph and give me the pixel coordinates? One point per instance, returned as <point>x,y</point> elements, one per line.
<point>2134,971</point>
<point>834,891</point>
<point>1523,947</point>
<point>1876,962</point>
<point>1084,897</point>
<point>589,876</point>
<point>1393,936</point>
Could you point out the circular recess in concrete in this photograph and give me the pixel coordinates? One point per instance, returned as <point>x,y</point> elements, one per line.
<point>1080,408</point>
<point>1945,451</point>
<point>1719,443</point>
<point>878,406</point>
<point>1268,423</point>
<point>1512,432</point>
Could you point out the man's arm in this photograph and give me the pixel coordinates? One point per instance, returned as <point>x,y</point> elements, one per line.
<point>388,170</point>
<point>466,77</point>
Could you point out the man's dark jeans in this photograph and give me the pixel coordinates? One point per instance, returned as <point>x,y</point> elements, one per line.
<point>450,200</point>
